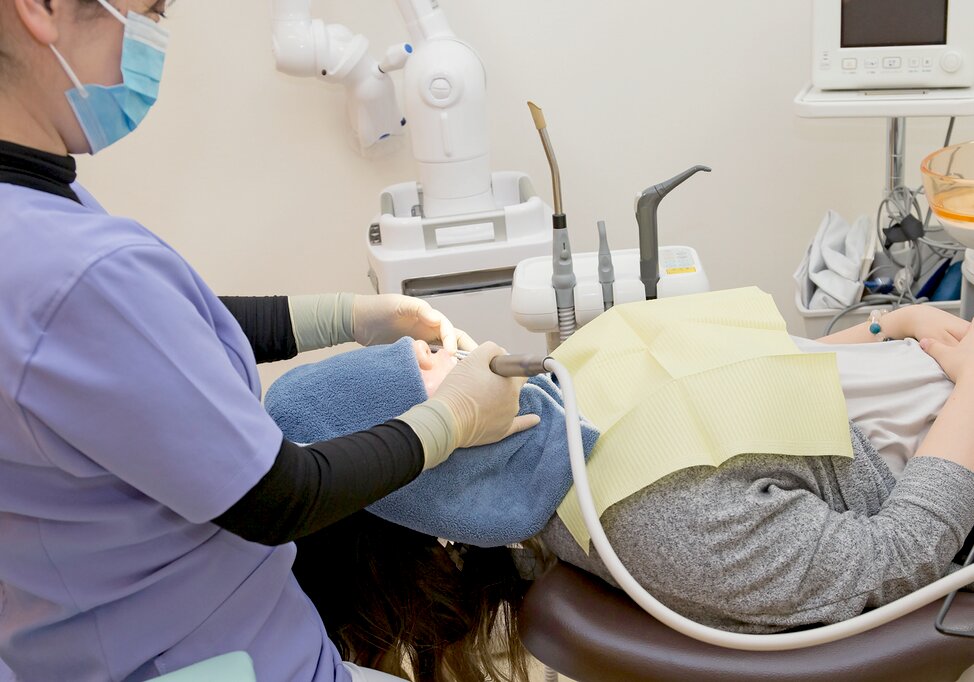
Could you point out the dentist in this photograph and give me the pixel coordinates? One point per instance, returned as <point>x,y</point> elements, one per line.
<point>147,501</point>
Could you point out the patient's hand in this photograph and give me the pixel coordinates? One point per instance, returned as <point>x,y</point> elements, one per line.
<point>924,322</point>
<point>955,358</point>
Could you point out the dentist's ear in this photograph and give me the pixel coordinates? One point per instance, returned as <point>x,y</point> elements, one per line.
<point>38,17</point>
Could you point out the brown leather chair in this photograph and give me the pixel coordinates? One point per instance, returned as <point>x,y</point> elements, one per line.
<point>577,624</point>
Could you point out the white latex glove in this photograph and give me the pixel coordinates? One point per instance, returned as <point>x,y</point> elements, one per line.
<point>321,321</point>
<point>473,406</point>
<point>386,318</point>
<point>483,404</point>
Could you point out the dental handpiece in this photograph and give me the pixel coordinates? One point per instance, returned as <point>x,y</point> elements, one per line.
<point>518,365</point>
<point>459,354</point>
<point>508,365</point>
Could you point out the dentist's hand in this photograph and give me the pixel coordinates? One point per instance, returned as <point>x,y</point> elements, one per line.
<point>484,405</point>
<point>386,318</point>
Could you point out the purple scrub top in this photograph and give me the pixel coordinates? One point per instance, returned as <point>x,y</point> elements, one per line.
<point>130,417</point>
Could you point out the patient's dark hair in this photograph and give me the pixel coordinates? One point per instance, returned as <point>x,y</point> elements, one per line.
<point>389,595</point>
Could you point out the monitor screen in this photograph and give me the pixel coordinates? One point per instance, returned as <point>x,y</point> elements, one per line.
<point>889,23</point>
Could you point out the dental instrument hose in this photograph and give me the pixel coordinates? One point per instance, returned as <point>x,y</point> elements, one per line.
<point>562,273</point>
<point>522,365</point>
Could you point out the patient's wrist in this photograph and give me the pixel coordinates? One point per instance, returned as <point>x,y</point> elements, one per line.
<point>896,324</point>
<point>884,325</point>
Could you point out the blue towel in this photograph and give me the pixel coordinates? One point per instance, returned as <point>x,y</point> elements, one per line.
<point>487,496</point>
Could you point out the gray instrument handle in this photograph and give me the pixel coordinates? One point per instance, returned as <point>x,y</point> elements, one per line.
<point>518,365</point>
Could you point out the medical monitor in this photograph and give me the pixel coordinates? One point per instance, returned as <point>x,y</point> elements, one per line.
<point>876,44</point>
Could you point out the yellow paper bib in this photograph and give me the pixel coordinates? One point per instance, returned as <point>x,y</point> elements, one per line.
<point>693,381</point>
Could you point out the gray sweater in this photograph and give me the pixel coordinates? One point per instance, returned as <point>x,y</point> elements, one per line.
<point>767,542</point>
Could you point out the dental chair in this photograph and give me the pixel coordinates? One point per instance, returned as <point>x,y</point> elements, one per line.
<point>577,625</point>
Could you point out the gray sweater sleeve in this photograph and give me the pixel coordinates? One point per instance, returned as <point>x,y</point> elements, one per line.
<point>766,542</point>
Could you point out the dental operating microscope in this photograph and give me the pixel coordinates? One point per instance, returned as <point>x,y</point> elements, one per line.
<point>455,235</point>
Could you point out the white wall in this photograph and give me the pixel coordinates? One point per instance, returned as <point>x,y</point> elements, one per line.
<point>248,172</point>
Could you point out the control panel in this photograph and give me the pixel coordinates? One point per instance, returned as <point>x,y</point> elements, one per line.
<point>881,44</point>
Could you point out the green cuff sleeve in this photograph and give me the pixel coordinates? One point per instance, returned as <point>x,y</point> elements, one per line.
<point>434,425</point>
<point>321,321</point>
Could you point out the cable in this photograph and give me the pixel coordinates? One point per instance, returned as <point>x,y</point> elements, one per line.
<point>950,131</point>
<point>906,202</point>
<point>944,246</point>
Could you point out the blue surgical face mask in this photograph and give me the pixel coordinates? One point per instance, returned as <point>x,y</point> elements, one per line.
<point>107,114</point>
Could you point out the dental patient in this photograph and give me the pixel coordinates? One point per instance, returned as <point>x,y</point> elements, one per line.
<point>760,544</point>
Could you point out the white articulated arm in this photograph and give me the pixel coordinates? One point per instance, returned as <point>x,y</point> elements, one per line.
<point>445,98</point>
<point>308,47</point>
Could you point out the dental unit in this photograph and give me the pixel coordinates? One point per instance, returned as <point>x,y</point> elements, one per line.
<point>606,278</point>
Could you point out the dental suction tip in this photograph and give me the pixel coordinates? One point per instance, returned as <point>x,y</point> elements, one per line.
<point>537,115</point>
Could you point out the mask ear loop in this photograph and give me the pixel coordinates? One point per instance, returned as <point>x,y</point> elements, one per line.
<point>70,72</point>
<point>114,12</point>
<point>72,76</point>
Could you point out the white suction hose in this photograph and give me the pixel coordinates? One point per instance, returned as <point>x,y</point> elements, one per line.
<point>730,640</point>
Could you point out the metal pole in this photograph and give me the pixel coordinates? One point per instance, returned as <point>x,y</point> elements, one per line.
<point>895,165</point>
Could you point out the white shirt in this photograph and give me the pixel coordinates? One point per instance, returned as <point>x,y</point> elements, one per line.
<point>894,392</point>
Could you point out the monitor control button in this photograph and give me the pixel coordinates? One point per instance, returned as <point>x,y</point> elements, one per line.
<point>892,62</point>
<point>850,64</point>
<point>871,63</point>
<point>951,62</point>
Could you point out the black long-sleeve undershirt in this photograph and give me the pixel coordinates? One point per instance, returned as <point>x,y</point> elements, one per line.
<point>266,322</point>
<point>38,170</point>
<point>310,487</point>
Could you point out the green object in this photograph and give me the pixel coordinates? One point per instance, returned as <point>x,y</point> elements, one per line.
<point>232,667</point>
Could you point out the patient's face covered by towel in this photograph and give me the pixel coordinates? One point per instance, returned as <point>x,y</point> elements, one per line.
<point>489,496</point>
<point>355,390</point>
<point>433,366</point>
